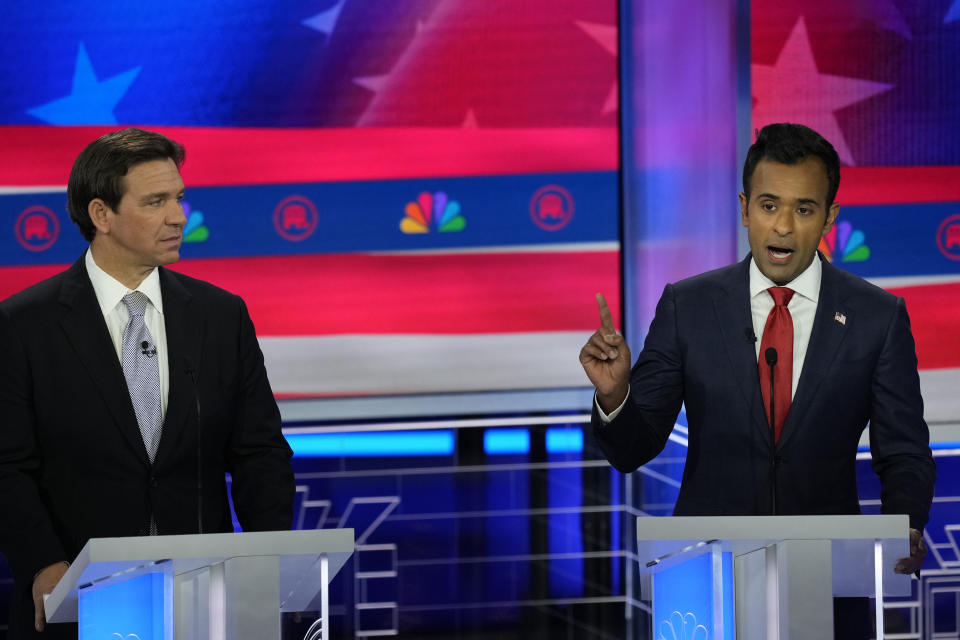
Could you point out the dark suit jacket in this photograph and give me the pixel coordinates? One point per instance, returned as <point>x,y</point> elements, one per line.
<point>73,465</point>
<point>858,371</point>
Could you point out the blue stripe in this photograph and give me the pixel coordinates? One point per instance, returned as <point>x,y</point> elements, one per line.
<point>501,441</point>
<point>347,445</point>
<point>564,440</point>
<point>351,216</point>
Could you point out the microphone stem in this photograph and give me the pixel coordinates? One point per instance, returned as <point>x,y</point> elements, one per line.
<point>773,456</point>
<point>773,422</point>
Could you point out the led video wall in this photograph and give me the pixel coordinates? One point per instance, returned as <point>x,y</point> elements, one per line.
<point>878,79</point>
<point>411,197</point>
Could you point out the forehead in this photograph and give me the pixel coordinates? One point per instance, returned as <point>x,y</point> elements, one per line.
<point>806,179</point>
<point>152,176</point>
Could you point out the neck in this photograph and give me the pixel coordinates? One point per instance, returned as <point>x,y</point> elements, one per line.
<point>127,275</point>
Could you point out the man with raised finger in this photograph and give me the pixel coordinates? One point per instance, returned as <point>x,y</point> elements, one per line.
<point>781,357</point>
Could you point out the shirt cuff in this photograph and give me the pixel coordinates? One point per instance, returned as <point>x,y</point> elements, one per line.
<point>608,418</point>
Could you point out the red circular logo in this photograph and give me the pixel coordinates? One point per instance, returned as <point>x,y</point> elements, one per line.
<point>37,228</point>
<point>551,207</point>
<point>295,218</point>
<point>948,237</point>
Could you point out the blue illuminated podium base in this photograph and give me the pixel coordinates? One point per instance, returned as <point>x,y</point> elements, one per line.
<point>204,587</point>
<point>766,577</point>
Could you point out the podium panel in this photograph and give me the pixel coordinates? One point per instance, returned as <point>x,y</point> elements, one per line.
<point>785,571</point>
<point>211,586</point>
<point>138,607</point>
<point>694,599</point>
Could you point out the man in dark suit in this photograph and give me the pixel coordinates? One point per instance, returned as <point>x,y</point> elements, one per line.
<point>128,391</point>
<point>842,349</point>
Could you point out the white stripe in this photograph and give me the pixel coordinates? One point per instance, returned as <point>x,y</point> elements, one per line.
<point>913,281</point>
<point>567,247</point>
<point>391,364</point>
<point>8,191</point>
<point>404,363</point>
<point>939,390</point>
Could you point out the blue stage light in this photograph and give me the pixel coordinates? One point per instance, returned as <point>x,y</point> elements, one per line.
<point>347,445</point>
<point>564,440</point>
<point>501,441</point>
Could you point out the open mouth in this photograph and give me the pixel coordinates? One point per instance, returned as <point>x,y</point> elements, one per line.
<point>779,254</point>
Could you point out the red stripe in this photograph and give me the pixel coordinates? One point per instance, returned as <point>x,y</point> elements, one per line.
<point>14,279</point>
<point>464,294</point>
<point>43,156</point>
<point>935,319</point>
<point>416,294</point>
<point>898,185</point>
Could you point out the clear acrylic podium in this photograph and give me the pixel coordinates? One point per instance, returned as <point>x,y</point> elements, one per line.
<point>767,576</point>
<point>199,587</point>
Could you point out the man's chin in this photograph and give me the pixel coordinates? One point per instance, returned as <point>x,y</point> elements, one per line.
<point>169,257</point>
<point>779,274</point>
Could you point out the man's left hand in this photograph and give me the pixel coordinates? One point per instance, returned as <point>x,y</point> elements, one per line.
<point>918,551</point>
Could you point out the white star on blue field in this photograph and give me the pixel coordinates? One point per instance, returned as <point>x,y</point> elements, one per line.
<point>326,21</point>
<point>91,101</point>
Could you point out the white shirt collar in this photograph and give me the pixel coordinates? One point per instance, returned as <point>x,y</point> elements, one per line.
<point>110,291</point>
<point>807,284</point>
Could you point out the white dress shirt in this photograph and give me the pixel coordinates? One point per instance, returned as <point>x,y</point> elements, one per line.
<point>802,308</point>
<point>110,293</point>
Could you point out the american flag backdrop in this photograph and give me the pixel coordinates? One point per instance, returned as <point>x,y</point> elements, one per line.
<point>880,80</point>
<point>413,196</point>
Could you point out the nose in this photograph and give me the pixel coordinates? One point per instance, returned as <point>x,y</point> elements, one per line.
<point>176,216</point>
<point>783,225</point>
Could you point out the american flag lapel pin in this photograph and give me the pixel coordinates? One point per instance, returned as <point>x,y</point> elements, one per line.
<point>839,317</point>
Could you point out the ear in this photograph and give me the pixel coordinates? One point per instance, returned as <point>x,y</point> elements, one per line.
<point>744,220</point>
<point>831,217</point>
<point>99,215</point>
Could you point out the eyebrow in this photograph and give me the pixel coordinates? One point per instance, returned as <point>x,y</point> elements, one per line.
<point>773,196</point>
<point>159,194</point>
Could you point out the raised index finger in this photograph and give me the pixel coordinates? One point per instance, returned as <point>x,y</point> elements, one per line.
<point>606,320</point>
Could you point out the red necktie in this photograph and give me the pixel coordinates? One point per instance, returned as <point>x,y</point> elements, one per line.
<point>778,333</point>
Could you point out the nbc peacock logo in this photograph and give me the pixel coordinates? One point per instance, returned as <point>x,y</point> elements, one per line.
<point>846,242</point>
<point>682,627</point>
<point>194,230</point>
<point>432,211</point>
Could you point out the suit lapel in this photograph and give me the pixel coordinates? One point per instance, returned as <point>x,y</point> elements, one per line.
<point>825,338</point>
<point>84,326</point>
<point>183,353</point>
<point>734,318</point>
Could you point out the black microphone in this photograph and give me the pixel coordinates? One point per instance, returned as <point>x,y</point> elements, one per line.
<point>749,334</point>
<point>192,372</point>
<point>770,355</point>
<point>146,350</point>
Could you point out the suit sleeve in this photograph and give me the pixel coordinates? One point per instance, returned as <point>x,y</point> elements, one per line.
<point>640,431</point>
<point>27,536</point>
<point>899,437</point>
<point>259,456</point>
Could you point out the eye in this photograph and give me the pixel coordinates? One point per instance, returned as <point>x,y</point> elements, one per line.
<point>804,211</point>
<point>768,206</point>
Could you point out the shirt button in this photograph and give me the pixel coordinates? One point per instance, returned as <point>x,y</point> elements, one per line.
<point>154,483</point>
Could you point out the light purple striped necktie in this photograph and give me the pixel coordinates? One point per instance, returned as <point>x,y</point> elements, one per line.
<point>142,372</point>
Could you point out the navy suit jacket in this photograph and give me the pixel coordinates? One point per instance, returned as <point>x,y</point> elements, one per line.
<point>859,370</point>
<point>73,465</point>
